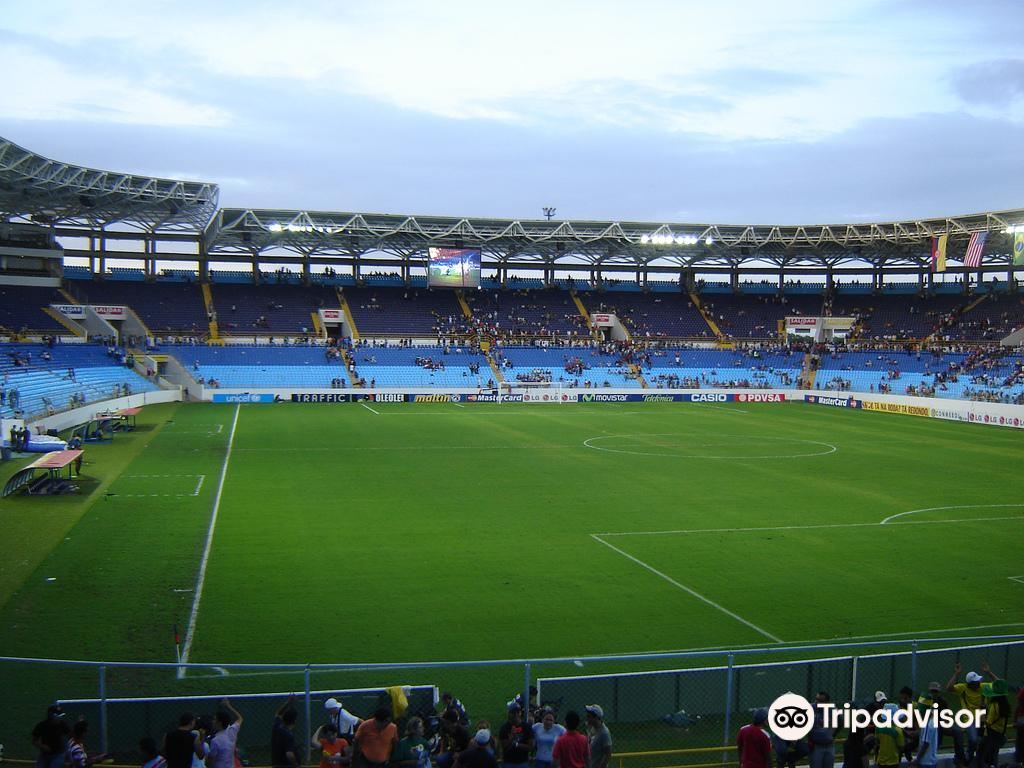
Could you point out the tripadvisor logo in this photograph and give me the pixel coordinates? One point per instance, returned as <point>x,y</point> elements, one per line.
<point>791,717</point>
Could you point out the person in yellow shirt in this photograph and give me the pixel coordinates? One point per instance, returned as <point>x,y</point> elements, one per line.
<point>968,696</point>
<point>997,718</point>
<point>888,745</point>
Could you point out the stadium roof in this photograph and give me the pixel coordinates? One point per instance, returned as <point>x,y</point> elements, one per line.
<point>594,244</point>
<point>80,201</point>
<point>35,188</point>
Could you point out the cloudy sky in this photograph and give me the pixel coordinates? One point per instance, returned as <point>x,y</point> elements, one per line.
<point>709,111</point>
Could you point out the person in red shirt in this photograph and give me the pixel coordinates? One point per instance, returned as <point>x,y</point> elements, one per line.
<point>753,742</point>
<point>335,749</point>
<point>572,748</point>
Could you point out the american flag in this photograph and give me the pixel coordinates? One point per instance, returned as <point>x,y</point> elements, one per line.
<point>974,249</point>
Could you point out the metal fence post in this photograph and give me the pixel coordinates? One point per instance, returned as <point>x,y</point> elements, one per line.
<point>103,708</point>
<point>526,691</point>
<point>913,665</point>
<point>729,674</point>
<point>309,717</point>
<point>853,681</point>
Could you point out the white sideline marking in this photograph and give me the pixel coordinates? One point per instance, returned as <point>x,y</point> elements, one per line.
<point>201,577</point>
<point>458,405</point>
<point>199,485</point>
<point>937,509</point>
<point>812,527</point>
<point>1016,578</point>
<point>689,591</point>
<point>369,409</point>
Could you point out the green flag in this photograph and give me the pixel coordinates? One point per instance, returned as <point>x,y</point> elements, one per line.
<point>1018,249</point>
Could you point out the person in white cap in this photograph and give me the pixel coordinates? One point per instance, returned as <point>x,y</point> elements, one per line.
<point>600,737</point>
<point>969,697</point>
<point>342,719</point>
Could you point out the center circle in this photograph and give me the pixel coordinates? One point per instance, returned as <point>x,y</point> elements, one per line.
<point>709,446</point>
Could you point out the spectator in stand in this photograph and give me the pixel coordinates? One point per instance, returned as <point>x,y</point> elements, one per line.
<point>227,723</point>
<point>545,734</point>
<point>821,740</point>
<point>889,744</point>
<point>968,694</point>
<point>997,720</point>
<point>342,719</point>
<point>334,750</point>
<point>753,744</point>
<point>600,737</point>
<point>1018,718</point>
<point>184,742</point>
<point>413,751</point>
<point>572,750</point>
<point>375,740</point>
<point>50,737</point>
<point>76,755</point>
<point>454,738</point>
<point>927,755</point>
<point>151,758</point>
<point>478,754</point>
<point>516,739</point>
<point>283,752</point>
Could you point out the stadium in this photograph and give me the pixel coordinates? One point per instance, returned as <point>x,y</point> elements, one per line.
<point>334,454</point>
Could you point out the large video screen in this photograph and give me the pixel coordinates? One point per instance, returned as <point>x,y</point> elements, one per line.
<point>454,267</point>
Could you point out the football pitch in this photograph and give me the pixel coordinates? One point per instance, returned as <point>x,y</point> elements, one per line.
<point>343,533</point>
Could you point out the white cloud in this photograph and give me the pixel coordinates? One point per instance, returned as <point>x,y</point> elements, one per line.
<point>41,88</point>
<point>655,65</point>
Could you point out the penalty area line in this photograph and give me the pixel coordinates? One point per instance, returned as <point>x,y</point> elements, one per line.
<point>371,410</point>
<point>689,590</point>
<point>201,576</point>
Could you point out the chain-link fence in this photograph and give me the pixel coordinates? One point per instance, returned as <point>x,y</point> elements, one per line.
<point>665,710</point>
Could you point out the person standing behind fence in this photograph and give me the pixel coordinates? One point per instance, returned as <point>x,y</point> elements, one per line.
<point>375,740</point>
<point>183,743</point>
<point>50,738</point>
<point>545,734</point>
<point>997,718</point>
<point>283,752</point>
<point>516,739</point>
<point>572,750</point>
<point>968,697</point>
<point>334,751</point>
<point>151,758</point>
<point>821,740</point>
<point>600,737</point>
<point>753,744</point>
<point>227,722</point>
<point>342,719</point>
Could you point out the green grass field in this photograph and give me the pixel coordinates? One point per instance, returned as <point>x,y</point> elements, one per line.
<point>439,532</point>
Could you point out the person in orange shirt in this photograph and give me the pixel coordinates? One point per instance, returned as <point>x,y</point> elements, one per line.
<point>376,740</point>
<point>335,750</point>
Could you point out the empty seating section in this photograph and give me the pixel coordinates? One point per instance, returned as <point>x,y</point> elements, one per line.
<point>269,309</point>
<point>523,313</point>
<point>748,317</point>
<point>653,315</point>
<point>21,307</point>
<point>82,370</point>
<point>403,312</point>
<point>565,366</point>
<point>422,367</point>
<point>993,319</point>
<point>698,368</point>
<point>264,365</point>
<point>898,317</point>
<point>163,307</point>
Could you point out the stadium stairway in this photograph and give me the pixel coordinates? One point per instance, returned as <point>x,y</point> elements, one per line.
<point>211,313</point>
<point>466,311</point>
<point>695,298</point>
<point>317,325</point>
<point>494,367</point>
<point>71,325</point>
<point>583,312</point>
<point>343,303</point>
<point>808,372</point>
